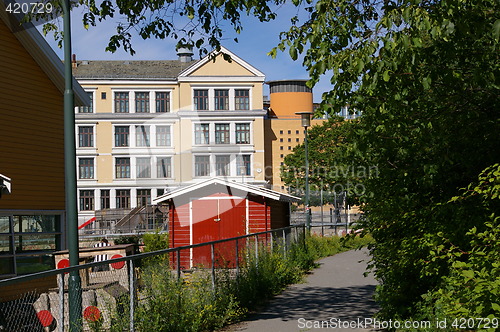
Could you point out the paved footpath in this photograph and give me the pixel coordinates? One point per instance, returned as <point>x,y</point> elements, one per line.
<point>337,290</point>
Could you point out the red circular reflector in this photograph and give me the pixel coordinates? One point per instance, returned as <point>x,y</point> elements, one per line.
<point>45,318</point>
<point>63,263</point>
<point>92,313</point>
<point>117,265</point>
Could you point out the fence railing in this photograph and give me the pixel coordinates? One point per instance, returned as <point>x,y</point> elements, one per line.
<point>40,301</point>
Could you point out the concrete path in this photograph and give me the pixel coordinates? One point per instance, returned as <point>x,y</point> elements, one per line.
<point>335,296</point>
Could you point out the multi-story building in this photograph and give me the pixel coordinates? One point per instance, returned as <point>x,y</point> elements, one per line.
<point>283,126</point>
<point>157,125</point>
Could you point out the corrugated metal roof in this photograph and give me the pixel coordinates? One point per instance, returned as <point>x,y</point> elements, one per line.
<point>127,69</point>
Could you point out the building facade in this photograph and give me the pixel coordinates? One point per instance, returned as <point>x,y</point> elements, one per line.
<point>155,126</point>
<point>283,126</point>
<point>32,204</point>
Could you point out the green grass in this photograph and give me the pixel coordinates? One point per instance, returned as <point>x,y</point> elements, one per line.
<point>168,304</point>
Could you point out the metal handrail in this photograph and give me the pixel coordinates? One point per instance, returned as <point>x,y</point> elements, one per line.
<point>49,273</point>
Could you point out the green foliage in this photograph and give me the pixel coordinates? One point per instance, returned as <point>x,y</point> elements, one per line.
<point>472,286</point>
<point>192,304</point>
<point>154,242</point>
<point>192,23</point>
<point>425,75</point>
<point>328,169</point>
<point>173,305</point>
<point>128,239</point>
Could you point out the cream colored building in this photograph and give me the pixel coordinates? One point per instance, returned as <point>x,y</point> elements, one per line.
<point>158,125</point>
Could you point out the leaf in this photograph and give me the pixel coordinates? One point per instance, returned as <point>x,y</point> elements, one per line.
<point>386,76</point>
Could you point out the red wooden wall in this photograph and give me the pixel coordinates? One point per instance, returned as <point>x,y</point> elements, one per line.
<point>206,229</point>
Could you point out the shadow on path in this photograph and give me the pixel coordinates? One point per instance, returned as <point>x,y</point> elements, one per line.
<point>312,303</point>
<point>336,291</point>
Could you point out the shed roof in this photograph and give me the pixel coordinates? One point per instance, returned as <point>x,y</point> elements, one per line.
<point>235,185</point>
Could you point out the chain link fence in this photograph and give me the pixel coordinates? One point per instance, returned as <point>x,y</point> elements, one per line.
<point>112,281</point>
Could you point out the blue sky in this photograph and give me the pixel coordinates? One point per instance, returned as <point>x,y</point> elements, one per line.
<point>255,41</point>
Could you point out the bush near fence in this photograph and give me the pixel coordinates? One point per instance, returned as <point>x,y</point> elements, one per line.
<point>202,299</point>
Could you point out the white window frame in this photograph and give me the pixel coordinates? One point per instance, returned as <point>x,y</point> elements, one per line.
<point>132,97</point>
<point>172,176</point>
<point>211,96</point>
<point>94,178</point>
<point>154,130</point>
<point>94,134</point>
<point>93,91</point>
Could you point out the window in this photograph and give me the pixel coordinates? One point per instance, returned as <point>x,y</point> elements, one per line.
<point>201,133</point>
<point>222,165</point>
<point>121,102</point>
<point>164,167</point>
<point>281,132</point>
<point>86,168</point>
<point>142,136</point>
<point>143,197</point>
<point>160,192</point>
<point>281,140</point>
<point>27,243</point>
<point>162,102</point>
<point>142,102</point>
<point>85,137</point>
<point>296,132</point>
<point>222,133</point>
<point>241,99</point>
<point>143,167</point>
<point>86,200</point>
<point>242,133</point>
<point>243,164</point>
<point>281,147</point>
<point>123,198</point>
<point>202,165</point>
<point>105,199</point>
<point>289,140</point>
<point>289,147</point>
<point>122,168</point>
<point>289,132</point>
<point>90,108</point>
<point>201,100</point>
<point>121,135</point>
<point>221,100</point>
<point>163,136</point>
<point>103,95</point>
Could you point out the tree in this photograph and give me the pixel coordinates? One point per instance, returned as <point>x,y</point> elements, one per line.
<point>329,170</point>
<point>192,23</point>
<point>426,76</point>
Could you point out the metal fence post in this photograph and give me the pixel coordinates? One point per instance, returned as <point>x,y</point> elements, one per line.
<point>272,246</point>
<point>212,246</point>
<point>237,261</point>
<point>178,264</point>
<point>284,243</point>
<point>60,279</point>
<point>131,287</point>
<point>256,250</point>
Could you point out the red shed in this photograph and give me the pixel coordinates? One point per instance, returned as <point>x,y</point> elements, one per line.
<point>218,209</point>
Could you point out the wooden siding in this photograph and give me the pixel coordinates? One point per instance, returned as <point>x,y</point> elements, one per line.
<point>259,215</point>
<point>31,130</point>
<point>19,290</point>
<point>180,234</point>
